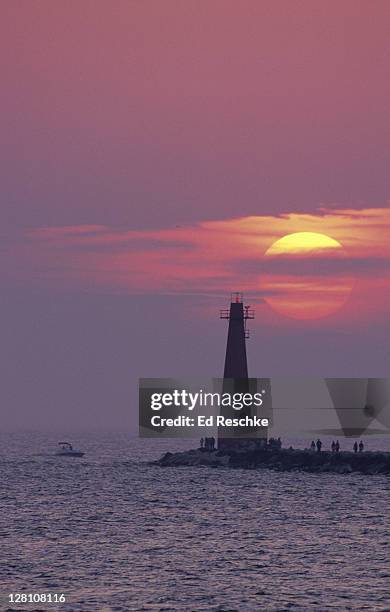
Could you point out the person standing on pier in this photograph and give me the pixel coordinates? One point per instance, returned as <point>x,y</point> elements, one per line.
<point>333,447</point>
<point>313,446</point>
<point>361,446</point>
<point>319,445</point>
<point>355,447</point>
<point>337,446</point>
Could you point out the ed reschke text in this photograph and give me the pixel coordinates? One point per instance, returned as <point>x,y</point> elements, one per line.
<point>209,421</point>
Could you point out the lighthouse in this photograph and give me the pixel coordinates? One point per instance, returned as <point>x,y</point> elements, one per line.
<point>236,365</point>
<point>235,376</point>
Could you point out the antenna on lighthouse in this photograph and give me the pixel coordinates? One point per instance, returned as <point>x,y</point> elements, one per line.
<point>248,314</point>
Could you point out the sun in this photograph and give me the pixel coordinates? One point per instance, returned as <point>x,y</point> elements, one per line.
<point>302,243</point>
<point>304,276</point>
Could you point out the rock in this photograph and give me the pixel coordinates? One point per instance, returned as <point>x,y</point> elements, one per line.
<point>194,457</point>
<point>283,460</point>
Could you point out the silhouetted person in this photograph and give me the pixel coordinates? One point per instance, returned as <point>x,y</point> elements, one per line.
<point>201,443</point>
<point>279,440</point>
<point>361,446</point>
<point>209,442</point>
<point>319,445</point>
<point>355,447</point>
<point>313,445</point>
<point>337,446</point>
<point>333,447</point>
<point>212,440</point>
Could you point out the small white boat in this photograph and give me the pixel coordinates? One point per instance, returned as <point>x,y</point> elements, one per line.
<point>67,450</point>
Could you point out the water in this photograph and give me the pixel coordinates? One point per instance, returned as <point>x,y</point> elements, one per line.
<point>114,533</point>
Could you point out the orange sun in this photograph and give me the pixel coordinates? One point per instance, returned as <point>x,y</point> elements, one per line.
<point>303,279</point>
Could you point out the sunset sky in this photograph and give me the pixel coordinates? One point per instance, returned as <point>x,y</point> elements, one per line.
<point>151,154</point>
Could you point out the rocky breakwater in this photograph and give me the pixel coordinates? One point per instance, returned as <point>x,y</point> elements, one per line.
<point>283,460</point>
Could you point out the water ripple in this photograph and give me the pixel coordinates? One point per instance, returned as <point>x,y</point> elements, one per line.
<point>125,535</point>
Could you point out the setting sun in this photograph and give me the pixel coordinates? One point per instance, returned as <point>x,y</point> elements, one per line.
<point>300,243</point>
<point>298,289</point>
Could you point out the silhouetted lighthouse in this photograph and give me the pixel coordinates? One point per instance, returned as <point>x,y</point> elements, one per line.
<point>236,365</point>
<point>235,376</point>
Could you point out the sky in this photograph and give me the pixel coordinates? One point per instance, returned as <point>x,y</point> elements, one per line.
<point>151,154</point>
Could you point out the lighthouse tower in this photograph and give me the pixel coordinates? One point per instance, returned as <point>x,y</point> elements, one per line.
<point>235,377</point>
<point>236,365</point>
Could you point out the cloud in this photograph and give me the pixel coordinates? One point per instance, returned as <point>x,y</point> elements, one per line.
<point>327,267</point>
<point>210,257</point>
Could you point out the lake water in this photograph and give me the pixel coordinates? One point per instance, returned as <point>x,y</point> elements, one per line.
<point>112,532</point>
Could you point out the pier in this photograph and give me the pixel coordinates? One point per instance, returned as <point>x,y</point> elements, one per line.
<point>239,451</point>
<point>283,460</point>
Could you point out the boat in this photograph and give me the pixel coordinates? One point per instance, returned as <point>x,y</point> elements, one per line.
<point>67,450</point>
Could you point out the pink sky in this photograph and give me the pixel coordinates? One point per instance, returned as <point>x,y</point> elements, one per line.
<point>211,257</point>
<point>123,120</point>
<point>154,113</point>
